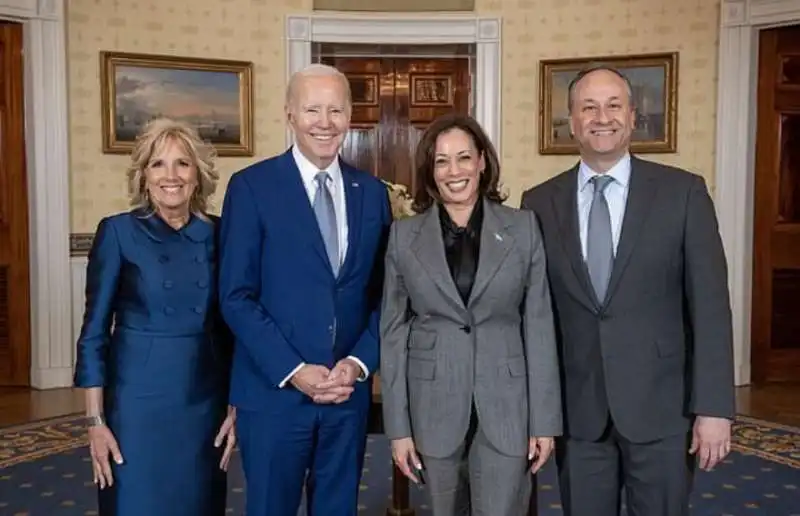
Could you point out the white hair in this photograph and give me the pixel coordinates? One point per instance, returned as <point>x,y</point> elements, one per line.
<point>316,70</point>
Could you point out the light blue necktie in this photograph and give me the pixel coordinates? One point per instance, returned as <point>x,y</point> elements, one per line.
<point>326,218</point>
<point>599,244</point>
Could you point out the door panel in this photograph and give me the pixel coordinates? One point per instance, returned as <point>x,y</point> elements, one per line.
<point>14,281</point>
<point>394,99</point>
<point>776,239</point>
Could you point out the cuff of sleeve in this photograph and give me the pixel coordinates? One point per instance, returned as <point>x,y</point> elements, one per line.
<point>364,371</point>
<point>289,376</point>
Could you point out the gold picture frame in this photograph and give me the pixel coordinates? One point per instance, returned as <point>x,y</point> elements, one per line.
<point>654,78</point>
<point>214,95</point>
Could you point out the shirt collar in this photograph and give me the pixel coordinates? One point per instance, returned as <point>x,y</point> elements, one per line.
<point>308,170</point>
<point>620,172</point>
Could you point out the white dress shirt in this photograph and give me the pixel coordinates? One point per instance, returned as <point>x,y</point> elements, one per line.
<point>308,173</point>
<point>616,194</point>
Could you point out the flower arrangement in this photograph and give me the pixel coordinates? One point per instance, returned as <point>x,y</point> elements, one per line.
<point>401,201</point>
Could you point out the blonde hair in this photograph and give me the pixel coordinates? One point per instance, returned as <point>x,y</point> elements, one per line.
<point>203,155</point>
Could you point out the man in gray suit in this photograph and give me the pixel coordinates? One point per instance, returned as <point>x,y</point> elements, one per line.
<point>469,369</point>
<point>639,284</point>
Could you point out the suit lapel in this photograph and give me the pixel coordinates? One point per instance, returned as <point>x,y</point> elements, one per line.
<point>354,200</point>
<point>300,210</point>
<point>640,198</point>
<point>495,245</point>
<point>565,205</point>
<point>428,247</point>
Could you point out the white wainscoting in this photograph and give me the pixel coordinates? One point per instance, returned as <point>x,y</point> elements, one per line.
<point>77,265</point>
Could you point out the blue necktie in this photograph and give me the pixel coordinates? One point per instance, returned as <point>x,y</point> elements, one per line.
<point>326,218</point>
<point>599,244</point>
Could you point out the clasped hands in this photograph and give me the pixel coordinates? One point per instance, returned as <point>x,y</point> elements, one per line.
<point>325,385</point>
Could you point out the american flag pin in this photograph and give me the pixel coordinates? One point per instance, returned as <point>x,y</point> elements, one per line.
<point>355,185</point>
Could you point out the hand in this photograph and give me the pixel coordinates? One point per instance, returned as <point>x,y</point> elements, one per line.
<point>102,444</point>
<point>227,433</point>
<point>339,385</point>
<point>711,440</point>
<point>312,381</point>
<point>539,450</point>
<point>404,455</point>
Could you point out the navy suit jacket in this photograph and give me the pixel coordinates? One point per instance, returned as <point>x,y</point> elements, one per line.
<point>278,293</point>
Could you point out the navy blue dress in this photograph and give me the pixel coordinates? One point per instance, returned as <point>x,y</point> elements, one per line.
<point>153,339</point>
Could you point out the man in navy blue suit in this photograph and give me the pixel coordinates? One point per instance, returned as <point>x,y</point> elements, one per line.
<point>301,251</point>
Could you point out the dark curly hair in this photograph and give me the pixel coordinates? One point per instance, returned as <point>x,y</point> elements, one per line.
<point>427,193</point>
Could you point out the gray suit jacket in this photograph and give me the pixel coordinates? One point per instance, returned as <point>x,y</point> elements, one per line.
<point>658,350</point>
<point>438,354</point>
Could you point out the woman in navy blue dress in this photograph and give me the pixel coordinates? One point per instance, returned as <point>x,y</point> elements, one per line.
<point>154,353</point>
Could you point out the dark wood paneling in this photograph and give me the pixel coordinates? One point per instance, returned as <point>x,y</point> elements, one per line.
<point>15,353</point>
<point>776,226</point>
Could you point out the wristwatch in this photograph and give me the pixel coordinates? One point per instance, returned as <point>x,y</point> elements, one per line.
<point>94,421</point>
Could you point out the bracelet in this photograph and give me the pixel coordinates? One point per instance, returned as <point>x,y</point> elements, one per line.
<point>94,421</point>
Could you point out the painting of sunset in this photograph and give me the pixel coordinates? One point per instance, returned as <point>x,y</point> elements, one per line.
<point>212,96</point>
<point>207,100</point>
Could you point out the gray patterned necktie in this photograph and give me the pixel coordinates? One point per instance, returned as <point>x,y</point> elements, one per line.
<point>599,244</point>
<point>326,218</point>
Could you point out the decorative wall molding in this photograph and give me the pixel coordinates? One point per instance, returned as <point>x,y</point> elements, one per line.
<point>77,266</point>
<point>48,186</point>
<point>80,244</point>
<point>484,32</point>
<point>394,5</point>
<point>735,153</point>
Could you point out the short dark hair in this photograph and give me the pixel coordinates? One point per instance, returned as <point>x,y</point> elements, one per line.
<point>591,69</point>
<point>427,192</point>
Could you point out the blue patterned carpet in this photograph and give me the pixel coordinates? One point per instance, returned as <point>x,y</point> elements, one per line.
<point>45,471</point>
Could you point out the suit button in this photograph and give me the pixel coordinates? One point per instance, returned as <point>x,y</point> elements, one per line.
<point>167,284</point>
<point>198,310</point>
<point>466,329</point>
<point>200,259</point>
<point>169,310</point>
<point>163,258</point>
<point>202,283</point>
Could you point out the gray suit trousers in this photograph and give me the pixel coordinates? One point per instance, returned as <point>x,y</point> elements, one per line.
<point>477,480</point>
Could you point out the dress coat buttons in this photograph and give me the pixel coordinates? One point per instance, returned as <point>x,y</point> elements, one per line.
<point>169,310</point>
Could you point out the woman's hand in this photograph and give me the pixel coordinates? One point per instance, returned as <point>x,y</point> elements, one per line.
<point>405,456</point>
<point>227,433</point>
<point>539,450</point>
<point>102,444</point>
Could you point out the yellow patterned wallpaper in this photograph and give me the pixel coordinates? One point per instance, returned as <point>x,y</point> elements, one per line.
<point>253,30</point>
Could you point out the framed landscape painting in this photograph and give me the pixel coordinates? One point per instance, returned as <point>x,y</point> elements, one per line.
<point>654,80</point>
<point>213,95</point>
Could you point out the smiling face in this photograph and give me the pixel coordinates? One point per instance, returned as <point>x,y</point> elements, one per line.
<point>170,178</point>
<point>318,112</point>
<point>457,168</point>
<point>602,117</point>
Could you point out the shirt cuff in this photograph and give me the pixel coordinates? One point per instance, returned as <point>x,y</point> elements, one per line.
<point>364,371</point>
<point>289,376</point>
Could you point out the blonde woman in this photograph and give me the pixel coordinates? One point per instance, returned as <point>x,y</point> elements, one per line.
<point>153,354</point>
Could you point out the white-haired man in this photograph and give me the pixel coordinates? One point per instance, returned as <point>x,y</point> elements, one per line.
<point>301,245</point>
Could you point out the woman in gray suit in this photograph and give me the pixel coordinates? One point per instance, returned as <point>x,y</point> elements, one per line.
<point>469,373</point>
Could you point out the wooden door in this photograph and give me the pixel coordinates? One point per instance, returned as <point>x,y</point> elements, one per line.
<point>394,99</point>
<point>776,228</point>
<point>14,280</point>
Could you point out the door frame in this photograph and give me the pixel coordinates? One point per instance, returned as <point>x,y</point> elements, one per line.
<point>402,29</point>
<point>737,104</point>
<point>47,159</point>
